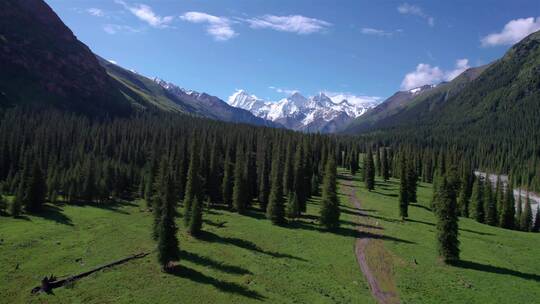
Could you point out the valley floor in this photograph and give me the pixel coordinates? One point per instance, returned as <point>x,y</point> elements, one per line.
<point>240,259</point>
<point>498,265</point>
<point>245,259</point>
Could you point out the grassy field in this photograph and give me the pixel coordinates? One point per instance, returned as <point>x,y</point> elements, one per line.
<point>241,259</point>
<point>498,265</point>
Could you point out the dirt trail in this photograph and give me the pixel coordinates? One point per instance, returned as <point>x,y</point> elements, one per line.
<point>369,247</point>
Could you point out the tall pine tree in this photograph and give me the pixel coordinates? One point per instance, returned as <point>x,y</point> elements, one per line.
<point>447,224</point>
<point>168,245</point>
<point>369,171</point>
<point>275,211</point>
<point>329,213</point>
<point>403,190</point>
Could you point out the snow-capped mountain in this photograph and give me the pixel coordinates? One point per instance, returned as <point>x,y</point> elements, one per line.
<point>209,106</point>
<point>319,113</point>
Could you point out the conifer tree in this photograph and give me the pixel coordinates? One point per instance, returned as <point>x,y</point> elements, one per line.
<point>288,169</point>
<point>385,166</point>
<point>536,225</point>
<point>369,171</point>
<point>526,216</point>
<point>299,183</point>
<point>403,190</point>
<point>16,204</point>
<point>412,183</point>
<point>507,219</point>
<point>214,187</point>
<point>157,199</point>
<point>3,203</point>
<point>293,206</point>
<point>378,165</point>
<point>490,205</point>
<point>193,184</point>
<point>477,201</point>
<point>263,179</point>
<point>240,189</point>
<point>314,184</point>
<point>89,184</point>
<point>227,183</point>
<point>353,162</point>
<point>447,224</point>
<point>195,223</point>
<point>36,190</point>
<point>168,245</point>
<point>329,213</point>
<point>275,211</point>
<point>519,211</point>
<point>463,200</point>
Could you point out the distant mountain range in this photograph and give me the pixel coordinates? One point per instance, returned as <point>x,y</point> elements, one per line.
<point>43,63</point>
<point>319,113</point>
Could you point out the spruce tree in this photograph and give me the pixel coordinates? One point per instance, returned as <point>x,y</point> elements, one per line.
<point>463,201</point>
<point>519,211</point>
<point>168,245</point>
<point>36,190</point>
<point>89,184</point>
<point>536,225</point>
<point>447,224</point>
<point>299,183</point>
<point>314,184</point>
<point>526,216</point>
<point>288,169</point>
<point>490,205</point>
<point>509,209</point>
<point>195,223</point>
<point>293,206</point>
<point>385,166</point>
<point>16,204</point>
<point>477,201</point>
<point>3,204</point>
<point>403,190</point>
<point>227,182</point>
<point>412,183</point>
<point>275,211</point>
<point>378,164</point>
<point>353,163</point>
<point>240,189</point>
<point>193,184</point>
<point>369,171</point>
<point>329,213</point>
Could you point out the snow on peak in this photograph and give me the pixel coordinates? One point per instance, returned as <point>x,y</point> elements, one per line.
<point>299,112</point>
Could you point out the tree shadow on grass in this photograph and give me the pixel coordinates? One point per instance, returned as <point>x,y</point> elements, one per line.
<point>114,206</point>
<point>460,229</point>
<point>245,244</point>
<point>385,194</point>
<point>421,207</point>
<point>53,213</point>
<point>204,261</point>
<point>196,276</point>
<point>349,232</point>
<point>495,269</point>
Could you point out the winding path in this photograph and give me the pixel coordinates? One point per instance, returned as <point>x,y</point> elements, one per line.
<point>369,246</point>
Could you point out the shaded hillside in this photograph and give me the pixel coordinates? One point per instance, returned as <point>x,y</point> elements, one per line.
<point>41,61</point>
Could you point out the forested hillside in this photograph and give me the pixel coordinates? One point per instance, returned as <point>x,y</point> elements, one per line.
<point>490,115</point>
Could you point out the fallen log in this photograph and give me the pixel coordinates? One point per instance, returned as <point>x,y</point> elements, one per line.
<point>50,283</point>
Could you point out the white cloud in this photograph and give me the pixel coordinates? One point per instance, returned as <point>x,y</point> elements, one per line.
<point>426,74</point>
<point>292,23</point>
<point>283,91</point>
<point>513,31</point>
<point>95,12</point>
<point>218,27</point>
<point>375,32</point>
<point>409,9</point>
<point>146,14</point>
<point>353,99</point>
<point>461,66</point>
<point>117,28</point>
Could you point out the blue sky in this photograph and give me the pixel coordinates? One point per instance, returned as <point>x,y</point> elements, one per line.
<point>269,48</point>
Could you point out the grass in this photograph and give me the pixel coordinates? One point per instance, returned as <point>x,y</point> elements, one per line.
<point>498,265</point>
<point>240,259</point>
